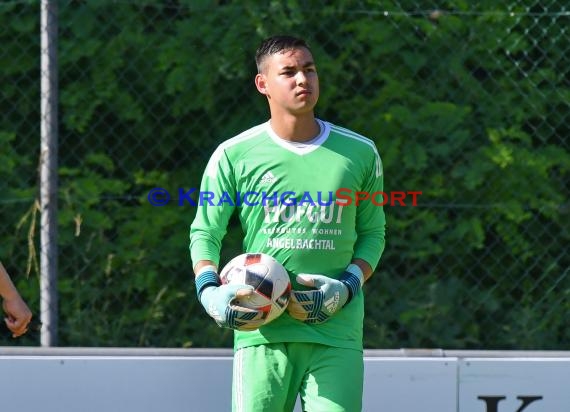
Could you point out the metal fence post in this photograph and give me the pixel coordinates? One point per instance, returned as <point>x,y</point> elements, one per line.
<point>48,173</point>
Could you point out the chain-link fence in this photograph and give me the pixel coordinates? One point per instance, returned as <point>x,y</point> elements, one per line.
<point>468,104</point>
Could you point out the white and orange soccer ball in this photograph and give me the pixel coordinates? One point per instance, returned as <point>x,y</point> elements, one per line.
<point>270,281</point>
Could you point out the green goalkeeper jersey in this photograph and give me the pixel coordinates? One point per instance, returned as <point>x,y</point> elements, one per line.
<point>296,202</point>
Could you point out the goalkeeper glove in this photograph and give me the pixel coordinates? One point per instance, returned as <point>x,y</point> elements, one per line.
<point>219,302</point>
<point>317,306</point>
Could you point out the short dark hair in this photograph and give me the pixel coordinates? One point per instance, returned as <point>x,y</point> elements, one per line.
<point>277,44</point>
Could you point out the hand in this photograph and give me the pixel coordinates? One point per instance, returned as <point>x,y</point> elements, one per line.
<point>317,306</point>
<point>18,315</point>
<point>221,304</point>
<point>222,301</point>
<point>331,295</point>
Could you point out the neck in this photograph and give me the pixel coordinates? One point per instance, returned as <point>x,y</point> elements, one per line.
<point>295,128</point>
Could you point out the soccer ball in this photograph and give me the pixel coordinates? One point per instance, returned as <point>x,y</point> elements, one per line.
<point>270,280</point>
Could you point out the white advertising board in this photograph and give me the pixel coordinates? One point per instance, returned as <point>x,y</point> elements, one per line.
<point>186,383</point>
<point>415,384</point>
<point>115,384</point>
<point>202,384</point>
<point>514,385</point>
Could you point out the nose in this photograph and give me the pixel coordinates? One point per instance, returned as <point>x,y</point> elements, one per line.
<point>301,78</point>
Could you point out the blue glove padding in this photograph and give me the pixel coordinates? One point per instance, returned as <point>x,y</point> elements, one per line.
<point>317,306</point>
<point>220,302</point>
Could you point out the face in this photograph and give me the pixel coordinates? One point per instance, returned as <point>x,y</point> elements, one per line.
<point>290,82</point>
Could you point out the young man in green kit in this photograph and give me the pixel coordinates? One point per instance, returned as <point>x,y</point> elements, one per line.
<point>291,167</point>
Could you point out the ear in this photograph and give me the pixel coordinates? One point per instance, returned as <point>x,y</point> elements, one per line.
<point>261,83</point>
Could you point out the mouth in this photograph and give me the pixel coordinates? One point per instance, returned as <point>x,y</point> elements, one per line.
<point>303,93</point>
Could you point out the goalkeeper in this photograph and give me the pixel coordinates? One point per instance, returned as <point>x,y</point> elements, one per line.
<point>329,247</point>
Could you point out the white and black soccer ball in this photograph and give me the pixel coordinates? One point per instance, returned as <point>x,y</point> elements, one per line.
<point>270,281</point>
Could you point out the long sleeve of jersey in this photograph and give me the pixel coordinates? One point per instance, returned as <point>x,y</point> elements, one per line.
<point>212,215</point>
<point>370,218</point>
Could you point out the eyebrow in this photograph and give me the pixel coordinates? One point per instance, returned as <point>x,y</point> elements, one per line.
<point>308,64</point>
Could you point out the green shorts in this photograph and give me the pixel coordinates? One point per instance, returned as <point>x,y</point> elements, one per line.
<point>268,378</point>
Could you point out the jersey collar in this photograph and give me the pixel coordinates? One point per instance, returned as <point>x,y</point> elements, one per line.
<point>304,147</point>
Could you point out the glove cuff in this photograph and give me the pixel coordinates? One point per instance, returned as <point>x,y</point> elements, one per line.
<point>352,278</point>
<point>207,277</point>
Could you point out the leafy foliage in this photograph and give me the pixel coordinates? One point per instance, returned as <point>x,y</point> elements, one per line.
<point>468,104</point>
